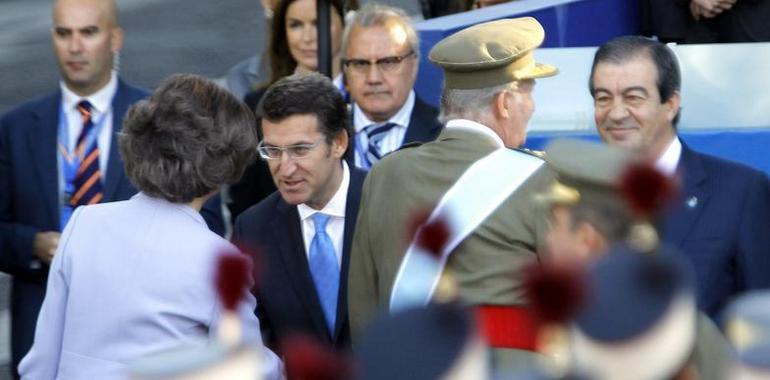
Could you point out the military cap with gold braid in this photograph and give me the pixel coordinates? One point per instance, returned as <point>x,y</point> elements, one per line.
<point>491,54</point>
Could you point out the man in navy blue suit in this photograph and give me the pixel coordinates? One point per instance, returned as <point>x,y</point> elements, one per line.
<point>721,221</point>
<point>304,230</point>
<point>48,145</point>
<point>381,51</point>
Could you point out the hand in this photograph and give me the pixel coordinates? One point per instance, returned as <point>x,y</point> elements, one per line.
<point>698,11</point>
<point>709,8</point>
<point>44,246</point>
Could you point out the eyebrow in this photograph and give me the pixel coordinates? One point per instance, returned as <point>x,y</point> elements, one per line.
<point>294,19</point>
<point>65,29</point>
<point>90,29</point>
<point>286,146</point>
<point>624,92</point>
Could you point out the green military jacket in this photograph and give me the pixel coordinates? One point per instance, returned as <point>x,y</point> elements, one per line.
<point>413,180</point>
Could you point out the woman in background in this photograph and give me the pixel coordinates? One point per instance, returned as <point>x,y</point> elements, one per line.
<point>293,46</point>
<point>135,277</point>
<point>292,49</point>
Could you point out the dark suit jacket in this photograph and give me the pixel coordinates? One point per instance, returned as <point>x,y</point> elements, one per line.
<point>29,192</point>
<point>287,301</point>
<point>722,223</point>
<point>746,21</point>
<point>423,127</point>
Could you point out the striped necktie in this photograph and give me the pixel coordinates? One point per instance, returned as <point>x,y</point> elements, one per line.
<point>376,135</point>
<point>88,187</point>
<point>325,270</point>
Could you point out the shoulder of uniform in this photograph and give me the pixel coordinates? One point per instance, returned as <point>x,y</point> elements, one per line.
<point>532,152</point>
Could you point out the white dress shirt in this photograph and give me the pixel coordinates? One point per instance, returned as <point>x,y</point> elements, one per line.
<point>395,137</point>
<point>335,228</point>
<point>668,162</point>
<point>101,101</point>
<point>472,126</point>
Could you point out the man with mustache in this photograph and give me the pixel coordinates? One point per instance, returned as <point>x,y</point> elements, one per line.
<point>59,152</point>
<point>721,222</point>
<point>381,53</point>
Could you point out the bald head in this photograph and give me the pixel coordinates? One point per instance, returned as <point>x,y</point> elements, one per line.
<point>86,37</point>
<point>107,9</point>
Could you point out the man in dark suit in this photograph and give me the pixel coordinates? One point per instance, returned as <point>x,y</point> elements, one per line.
<point>304,230</point>
<point>381,51</point>
<point>59,152</point>
<point>721,221</point>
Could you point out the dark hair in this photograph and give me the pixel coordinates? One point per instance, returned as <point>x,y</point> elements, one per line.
<point>623,49</point>
<point>190,137</point>
<point>281,62</point>
<point>302,94</point>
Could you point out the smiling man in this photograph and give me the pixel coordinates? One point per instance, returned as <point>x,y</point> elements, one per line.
<point>59,152</point>
<point>381,51</point>
<point>721,222</point>
<point>304,230</point>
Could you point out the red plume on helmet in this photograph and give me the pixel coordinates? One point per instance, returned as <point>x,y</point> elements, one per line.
<point>431,236</point>
<point>233,278</point>
<point>646,189</point>
<point>555,291</point>
<point>306,359</point>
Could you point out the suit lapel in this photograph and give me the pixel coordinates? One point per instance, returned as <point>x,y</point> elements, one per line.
<point>288,234</point>
<point>42,145</point>
<point>688,207</point>
<point>423,125</point>
<point>120,104</point>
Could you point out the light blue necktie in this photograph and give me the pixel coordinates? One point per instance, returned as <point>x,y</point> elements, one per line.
<point>376,134</point>
<point>325,270</point>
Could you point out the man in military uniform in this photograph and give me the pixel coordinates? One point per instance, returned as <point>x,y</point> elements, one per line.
<point>590,219</point>
<point>490,72</point>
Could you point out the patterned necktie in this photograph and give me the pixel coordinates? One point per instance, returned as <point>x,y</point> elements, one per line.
<point>375,135</point>
<point>87,182</point>
<point>325,270</point>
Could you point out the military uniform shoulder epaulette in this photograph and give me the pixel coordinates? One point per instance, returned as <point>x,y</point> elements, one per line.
<point>532,152</point>
<point>412,144</point>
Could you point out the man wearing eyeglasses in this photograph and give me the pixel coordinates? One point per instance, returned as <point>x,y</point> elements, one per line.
<point>302,233</point>
<point>381,51</point>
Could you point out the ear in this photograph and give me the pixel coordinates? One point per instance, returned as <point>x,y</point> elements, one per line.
<point>672,105</point>
<point>340,144</point>
<point>501,105</point>
<point>116,39</point>
<point>592,239</point>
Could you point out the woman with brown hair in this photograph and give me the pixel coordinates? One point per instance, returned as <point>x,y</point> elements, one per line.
<point>135,277</point>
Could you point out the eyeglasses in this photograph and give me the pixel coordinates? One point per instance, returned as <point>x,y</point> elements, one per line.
<point>271,152</point>
<point>385,64</point>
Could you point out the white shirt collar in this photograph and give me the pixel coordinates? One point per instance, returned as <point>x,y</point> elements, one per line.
<point>470,125</point>
<point>401,118</point>
<point>101,100</point>
<point>668,162</point>
<point>336,205</point>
